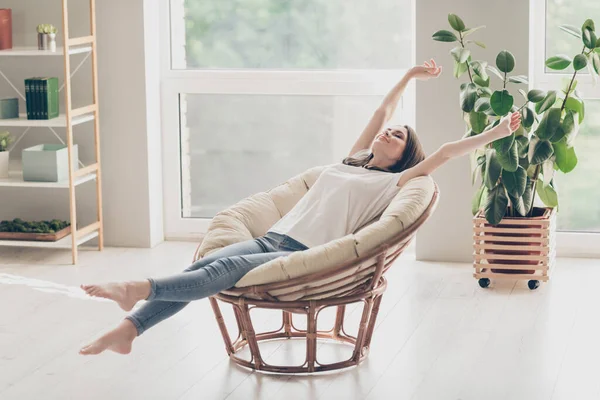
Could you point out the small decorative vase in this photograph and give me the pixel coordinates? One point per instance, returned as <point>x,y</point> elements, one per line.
<point>4,164</point>
<point>52,42</point>
<point>42,41</point>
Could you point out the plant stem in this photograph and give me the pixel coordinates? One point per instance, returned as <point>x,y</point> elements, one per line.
<point>535,179</point>
<point>504,81</point>
<point>468,66</point>
<point>523,106</point>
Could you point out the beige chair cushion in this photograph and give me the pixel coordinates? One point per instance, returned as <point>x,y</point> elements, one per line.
<point>253,216</point>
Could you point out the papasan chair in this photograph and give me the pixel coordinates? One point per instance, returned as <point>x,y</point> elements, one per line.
<point>347,270</point>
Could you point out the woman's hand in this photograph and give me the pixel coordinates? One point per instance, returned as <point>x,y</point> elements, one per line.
<point>508,125</point>
<point>426,71</point>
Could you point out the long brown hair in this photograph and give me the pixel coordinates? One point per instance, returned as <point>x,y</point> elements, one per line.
<point>412,155</point>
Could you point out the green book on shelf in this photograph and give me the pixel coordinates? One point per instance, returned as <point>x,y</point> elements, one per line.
<point>36,98</point>
<point>30,97</point>
<point>44,98</point>
<point>52,102</point>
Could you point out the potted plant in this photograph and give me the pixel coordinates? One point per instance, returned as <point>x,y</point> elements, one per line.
<point>5,140</point>
<point>511,235</point>
<point>46,37</point>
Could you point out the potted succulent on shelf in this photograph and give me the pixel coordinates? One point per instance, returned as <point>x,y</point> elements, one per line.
<point>5,140</point>
<point>46,37</point>
<point>512,237</point>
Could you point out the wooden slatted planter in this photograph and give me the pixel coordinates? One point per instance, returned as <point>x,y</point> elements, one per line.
<point>516,248</point>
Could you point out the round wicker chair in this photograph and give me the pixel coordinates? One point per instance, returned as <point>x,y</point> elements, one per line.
<point>344,271</point>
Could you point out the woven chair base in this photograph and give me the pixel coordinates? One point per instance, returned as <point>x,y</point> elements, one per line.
<point>311,308</point>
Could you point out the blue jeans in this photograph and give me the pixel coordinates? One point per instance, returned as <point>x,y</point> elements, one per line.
<point>208,276</point>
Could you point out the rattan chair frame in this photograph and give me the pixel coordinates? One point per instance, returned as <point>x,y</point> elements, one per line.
<point>370,293</point>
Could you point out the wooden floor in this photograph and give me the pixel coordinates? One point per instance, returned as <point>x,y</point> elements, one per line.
<point>439,336</point>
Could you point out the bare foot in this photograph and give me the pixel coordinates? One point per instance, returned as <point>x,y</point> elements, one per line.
<point>118,340</point>
<point>125,294</point>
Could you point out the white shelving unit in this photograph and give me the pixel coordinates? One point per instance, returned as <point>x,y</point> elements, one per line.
<point>71,118</point>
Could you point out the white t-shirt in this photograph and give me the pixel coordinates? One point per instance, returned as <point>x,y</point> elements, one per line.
<point>341,200</point>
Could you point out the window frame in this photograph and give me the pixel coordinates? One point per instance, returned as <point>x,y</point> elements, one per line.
<point>568,244</point>
<point>249,82</point>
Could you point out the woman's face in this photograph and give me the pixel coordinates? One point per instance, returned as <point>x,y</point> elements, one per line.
<point>390,143</point>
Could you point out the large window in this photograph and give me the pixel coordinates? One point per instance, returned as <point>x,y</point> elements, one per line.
<point>579,210</point>
<point>257,91</point>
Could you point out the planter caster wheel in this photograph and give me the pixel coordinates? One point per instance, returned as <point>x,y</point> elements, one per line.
<point>533,284</point>
<point>484,282</point>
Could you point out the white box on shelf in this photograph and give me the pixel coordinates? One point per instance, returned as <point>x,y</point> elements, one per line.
<point>48,163</point>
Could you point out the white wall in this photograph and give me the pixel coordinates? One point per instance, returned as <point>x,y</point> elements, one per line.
<point>129,117</point>
<point>448,234</point>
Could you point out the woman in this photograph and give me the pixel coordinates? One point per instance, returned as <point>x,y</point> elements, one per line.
<point>343,198</point>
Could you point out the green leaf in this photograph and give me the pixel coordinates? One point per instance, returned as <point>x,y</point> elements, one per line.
<point>479,68</point>
<point>549,124</point>
<point>503,145</point>
<point>481,82</point>
<point>495,205</point>
<point>548,195</point>
<point>518,204</point>
<point>480,44</point>
<point>515,181</point>
<point>460,54</point>
<point>588,24</point>
<point>575,105</point>
<point>444,36</point>
<point>486,92</point>
<point>495,72</point>
<point>535,95</point>
<point>456,23</point>
<point>579,62</point>
<point>476,202</point>
<point>524,94</point>
<point>482,104</point>
<point>493,169</point>
<point>566,159</point>
<point>527,117</point>
<point>501,102</point>
<point>522,146</point>
<point>570,127</point>
<point>545,104</point>
<point>589,38</point>
<point>505,61</point>
<point>460,69</point>
<point>478,121</point>
<point>519,79</point>
<point>570,123</point>
<point>571,30</point>
<point>510,159</point>
<point>468,96</point>
<point>558,62</point>
<point>539,151</point>
<point>548,171</point>
<point>467,32</point>
<point>595,58</point>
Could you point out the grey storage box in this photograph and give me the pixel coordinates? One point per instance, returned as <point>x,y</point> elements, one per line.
<point>48,163</point>
<point>9,108</point>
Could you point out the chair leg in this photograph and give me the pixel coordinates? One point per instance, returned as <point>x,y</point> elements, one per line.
<point>339,320</point>
<point>372,320</point>
<point>287,323</point>
<point>222,326</point>
<point>239,321</point>
<point>311,337</point>
<point>250,334</point>
<point>360,338</point>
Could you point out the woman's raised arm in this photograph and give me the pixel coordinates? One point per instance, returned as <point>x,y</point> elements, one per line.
<point>461,147</point>
<point>386,110</point>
